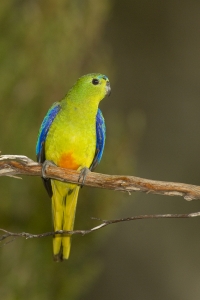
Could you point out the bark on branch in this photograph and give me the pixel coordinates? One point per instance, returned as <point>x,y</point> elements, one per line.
<point>15,165</point>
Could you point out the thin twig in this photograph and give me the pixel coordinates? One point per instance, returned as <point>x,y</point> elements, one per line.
<point>14,165</point>
<point>104,223</point>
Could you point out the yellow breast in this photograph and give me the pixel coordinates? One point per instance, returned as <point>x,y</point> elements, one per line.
<point>71,140</point>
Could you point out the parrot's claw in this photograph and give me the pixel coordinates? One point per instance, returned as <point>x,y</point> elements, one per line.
<point>83,175</point>
<point>46,164</point>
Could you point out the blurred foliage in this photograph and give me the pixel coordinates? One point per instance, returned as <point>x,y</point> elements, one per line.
<point>44,48</point>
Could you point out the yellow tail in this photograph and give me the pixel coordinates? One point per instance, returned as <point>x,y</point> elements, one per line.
<point>64,202</point>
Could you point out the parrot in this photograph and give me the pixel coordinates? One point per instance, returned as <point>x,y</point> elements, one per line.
<point>72,135</point>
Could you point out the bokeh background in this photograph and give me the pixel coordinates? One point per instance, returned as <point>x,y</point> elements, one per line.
<point>150,51</point>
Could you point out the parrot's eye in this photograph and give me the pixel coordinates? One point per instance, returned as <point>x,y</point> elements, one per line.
<point>95,81</point>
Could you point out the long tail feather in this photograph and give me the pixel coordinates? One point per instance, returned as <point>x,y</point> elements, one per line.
<point>64,202</point>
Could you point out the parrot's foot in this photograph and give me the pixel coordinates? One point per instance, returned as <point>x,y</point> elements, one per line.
<point>83,175</point>
<point>46,164</point>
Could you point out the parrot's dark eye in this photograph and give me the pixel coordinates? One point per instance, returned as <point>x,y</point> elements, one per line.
<point>95,81</point>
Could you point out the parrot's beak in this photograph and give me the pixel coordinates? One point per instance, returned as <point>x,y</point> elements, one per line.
<point>108,88</point>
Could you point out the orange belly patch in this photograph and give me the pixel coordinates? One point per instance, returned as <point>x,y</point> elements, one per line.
<point>67,161</point>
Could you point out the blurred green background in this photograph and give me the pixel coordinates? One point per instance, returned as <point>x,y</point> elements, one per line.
<point>150,52</point>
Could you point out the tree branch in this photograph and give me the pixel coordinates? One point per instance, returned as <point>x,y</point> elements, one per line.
<point>15,165</point>
<point>104,223</point>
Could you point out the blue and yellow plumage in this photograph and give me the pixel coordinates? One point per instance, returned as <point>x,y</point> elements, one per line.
<point>72,135</point>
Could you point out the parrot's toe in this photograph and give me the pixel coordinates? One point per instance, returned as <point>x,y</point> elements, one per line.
<point>83,174</point>
<point>46,164</point>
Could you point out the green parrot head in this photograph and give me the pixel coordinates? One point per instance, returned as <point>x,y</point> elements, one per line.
<point>92,87</point>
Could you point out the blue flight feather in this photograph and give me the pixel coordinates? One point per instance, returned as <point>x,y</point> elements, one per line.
<point>50,116</point>
<point>100,139</point>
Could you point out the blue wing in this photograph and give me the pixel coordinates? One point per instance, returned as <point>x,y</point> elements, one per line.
<point>50,116</point>
<point>100,139</point>
<point>40,146</point>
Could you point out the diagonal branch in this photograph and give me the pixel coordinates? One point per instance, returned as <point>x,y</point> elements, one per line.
<point>8,234</point>
<point>15,165</point>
